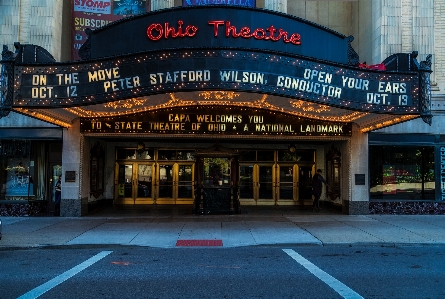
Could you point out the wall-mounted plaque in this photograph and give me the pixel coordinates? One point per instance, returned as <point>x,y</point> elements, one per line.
<point>70,176</point>
<point>360,179</point>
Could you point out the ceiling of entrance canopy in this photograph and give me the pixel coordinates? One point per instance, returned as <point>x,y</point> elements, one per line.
<point>297,107</point>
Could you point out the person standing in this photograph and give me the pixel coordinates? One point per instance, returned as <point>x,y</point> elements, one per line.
<point>317,188</point>
<point>58,196</point>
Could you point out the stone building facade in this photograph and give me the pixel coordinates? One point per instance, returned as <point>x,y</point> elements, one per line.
<point>380,29</point>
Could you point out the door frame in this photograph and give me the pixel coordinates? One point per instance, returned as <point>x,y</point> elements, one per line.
<point>175,199</point>
<point>295,184</point>
<point>134,199</point>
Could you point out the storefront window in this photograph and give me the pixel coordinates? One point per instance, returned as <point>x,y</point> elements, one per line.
<point>18,170</point>
<point>402,172</point>
<point>29,169</point>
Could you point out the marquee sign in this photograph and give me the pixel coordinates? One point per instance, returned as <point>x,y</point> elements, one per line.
<point>65,85</point>
<point>228,120</point>
<point>220,48</point>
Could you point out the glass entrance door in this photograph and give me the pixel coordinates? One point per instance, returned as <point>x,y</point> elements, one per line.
<point>257,184</point>
<point>144,177</point>
<point>134,183</point>
<point>294,183</point>
<point>266,184</point>
<point>287,179</point>
<point>174,183</point>
<point>185,184</point>
<point>281,184</point>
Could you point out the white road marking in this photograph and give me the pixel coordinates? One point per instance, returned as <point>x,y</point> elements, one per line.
<point>40,290</point>
<point>338,286</point>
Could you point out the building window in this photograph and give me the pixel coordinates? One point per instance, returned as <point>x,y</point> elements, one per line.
<point>401,173</point>
<point>17,170</point>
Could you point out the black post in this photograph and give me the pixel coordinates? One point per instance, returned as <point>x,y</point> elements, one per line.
<point>6,81</point>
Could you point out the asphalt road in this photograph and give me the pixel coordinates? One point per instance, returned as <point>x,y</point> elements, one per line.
<point>248,272</point>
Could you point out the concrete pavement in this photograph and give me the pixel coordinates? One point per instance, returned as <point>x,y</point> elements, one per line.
<point>257,228</point>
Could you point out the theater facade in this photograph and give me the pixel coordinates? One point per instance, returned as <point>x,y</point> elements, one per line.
<point>211,107</point>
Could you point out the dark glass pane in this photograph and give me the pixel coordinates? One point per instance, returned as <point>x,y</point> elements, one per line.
<point>246,181</point>
<point>247,156</point>
<point>305,155</point>
<point>286,156</point>
<point>166,155</point>
<point>305,182</point>
<point>166,181</point>
<point>144,180</point>
<point>298,156</point>
<point>186,155</point>
<point>265,190</point>
<point>145,155</point>
<point>286,182</point>
<point>185,183</point>
<point>125,154</point>
<point>265,156</point>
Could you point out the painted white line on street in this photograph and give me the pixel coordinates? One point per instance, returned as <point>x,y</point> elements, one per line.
<point>338,286</point>
<point>40,290</point>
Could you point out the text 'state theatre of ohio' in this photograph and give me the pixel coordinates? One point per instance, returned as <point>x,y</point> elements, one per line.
<point>216,108</point>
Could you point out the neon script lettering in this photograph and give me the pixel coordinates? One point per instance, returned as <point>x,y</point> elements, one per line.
<point>157,31</point>
<point>270,33</point>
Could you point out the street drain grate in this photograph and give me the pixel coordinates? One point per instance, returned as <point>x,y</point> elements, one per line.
<point>199,243</point>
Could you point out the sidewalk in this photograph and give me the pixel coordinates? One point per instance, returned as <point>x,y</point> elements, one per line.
<point>167,230</point>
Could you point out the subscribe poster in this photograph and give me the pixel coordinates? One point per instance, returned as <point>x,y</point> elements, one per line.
<point>95,14</point>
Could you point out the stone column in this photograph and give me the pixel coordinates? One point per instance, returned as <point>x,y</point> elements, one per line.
<point>72,203</point>
<point>358,201</point>
<point>402,27</point>
<point>276,5</point>
<point>161,4</point>
<point>24,22</point>
<point>40,23</point>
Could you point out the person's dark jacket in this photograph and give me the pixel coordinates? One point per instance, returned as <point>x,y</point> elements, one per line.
<point>317,186</point>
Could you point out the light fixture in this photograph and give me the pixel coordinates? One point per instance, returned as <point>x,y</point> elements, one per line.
<point>140,148</point>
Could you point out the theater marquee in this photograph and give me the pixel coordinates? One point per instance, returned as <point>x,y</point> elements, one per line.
<point>230,121</point>
<point>211,48</point>
<point>155,73</point>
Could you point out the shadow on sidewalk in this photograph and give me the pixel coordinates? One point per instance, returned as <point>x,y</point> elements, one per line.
<point>187,210</point>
